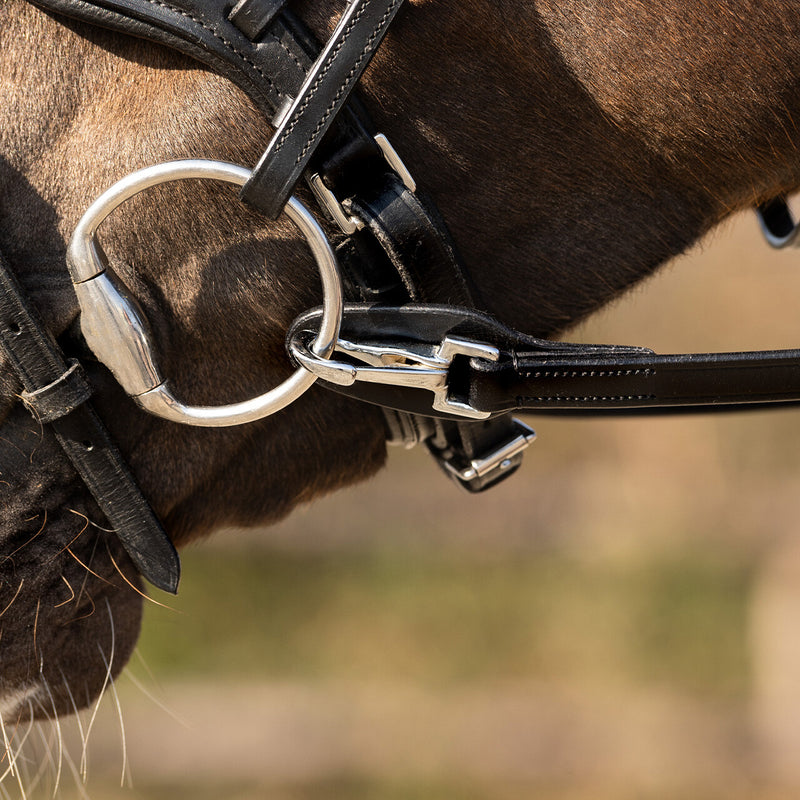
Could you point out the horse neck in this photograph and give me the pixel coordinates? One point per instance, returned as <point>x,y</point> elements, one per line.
<point>573,148</point>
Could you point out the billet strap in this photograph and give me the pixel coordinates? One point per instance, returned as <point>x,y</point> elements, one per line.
<point>422,254</point>
<point>522,373</point>
<point>327,86</point>
<point>60,392</point>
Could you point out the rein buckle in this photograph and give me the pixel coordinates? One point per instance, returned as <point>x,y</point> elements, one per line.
<point>478,467</point>
<point>348,223</point>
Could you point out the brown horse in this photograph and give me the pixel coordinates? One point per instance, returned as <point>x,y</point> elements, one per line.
<point>571,146</point>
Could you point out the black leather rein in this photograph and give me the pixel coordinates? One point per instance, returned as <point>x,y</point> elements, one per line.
<point>523,373</point>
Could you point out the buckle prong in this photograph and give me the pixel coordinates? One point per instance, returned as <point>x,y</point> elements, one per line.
<point>496,461</point>
<point>337,209</point>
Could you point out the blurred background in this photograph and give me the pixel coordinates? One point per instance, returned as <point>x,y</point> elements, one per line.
<point>619,620</point>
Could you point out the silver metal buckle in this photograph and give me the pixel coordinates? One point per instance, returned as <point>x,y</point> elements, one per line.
<point>497,462</point>
<point>421,366</point>
<point>347,222</point>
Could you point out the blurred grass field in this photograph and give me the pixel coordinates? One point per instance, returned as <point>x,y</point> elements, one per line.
<point>601,626</point>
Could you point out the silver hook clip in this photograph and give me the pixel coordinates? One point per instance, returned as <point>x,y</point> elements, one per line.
<point>418,366</point>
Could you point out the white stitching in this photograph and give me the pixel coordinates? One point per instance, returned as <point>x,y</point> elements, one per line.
<point>315,86</point>
<point>227,44</point>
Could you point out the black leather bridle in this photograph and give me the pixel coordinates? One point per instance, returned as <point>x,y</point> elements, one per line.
<point>411,339</point>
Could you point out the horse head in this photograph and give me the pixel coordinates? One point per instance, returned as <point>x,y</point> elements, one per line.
<point>571,148</point>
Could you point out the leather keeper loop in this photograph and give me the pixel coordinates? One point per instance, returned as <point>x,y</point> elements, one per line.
<point>61,397</point>
<point>252,17</point>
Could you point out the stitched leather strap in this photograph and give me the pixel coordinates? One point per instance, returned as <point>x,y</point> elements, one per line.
<point>578,381</point>
<point>41,369</point>
<point>533,374</point>
<point>322,95</point>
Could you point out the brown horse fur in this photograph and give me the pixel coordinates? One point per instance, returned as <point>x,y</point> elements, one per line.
<point>571,145</point>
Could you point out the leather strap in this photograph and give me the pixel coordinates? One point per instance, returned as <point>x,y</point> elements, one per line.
<point>252,17</point>
<point>533,374</point>
<point>61,397</point>
<point>421,253</point>
<point>61,394</point>
<point>584,381</point>
<point>323,94</point>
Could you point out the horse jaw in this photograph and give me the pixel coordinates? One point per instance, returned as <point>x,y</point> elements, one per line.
<point>220,287</point>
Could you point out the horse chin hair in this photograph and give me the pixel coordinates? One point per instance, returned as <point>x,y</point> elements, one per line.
<point>70,599</point>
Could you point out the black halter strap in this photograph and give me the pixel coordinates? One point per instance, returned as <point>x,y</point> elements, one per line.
<point>57,394</point>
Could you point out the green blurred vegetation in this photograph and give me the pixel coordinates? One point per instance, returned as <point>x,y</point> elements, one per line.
<point>678,621</point>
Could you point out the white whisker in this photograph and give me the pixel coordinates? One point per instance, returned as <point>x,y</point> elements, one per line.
<point>7,746</point>
<point>153,699</point>
<point>59,735</point>
<point>95,709</point>
<point>78,717</point>
<point>12,705</point>
<point>110,681</point>
<point>13,753</point>
<point>80,783</point>
<point>46,761</point>
<point>145,666</point>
